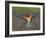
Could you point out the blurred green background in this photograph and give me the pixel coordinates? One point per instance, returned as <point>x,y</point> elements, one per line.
<point>25,10</point>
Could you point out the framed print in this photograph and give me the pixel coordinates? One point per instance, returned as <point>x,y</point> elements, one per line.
<point>24,18</point>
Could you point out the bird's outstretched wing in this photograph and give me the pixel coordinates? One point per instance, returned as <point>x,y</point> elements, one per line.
<point>21,18</point>
<point>34,15</point>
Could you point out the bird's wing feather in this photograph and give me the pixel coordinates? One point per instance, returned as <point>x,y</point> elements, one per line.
<point>33,16</point>
<point>21,18</point>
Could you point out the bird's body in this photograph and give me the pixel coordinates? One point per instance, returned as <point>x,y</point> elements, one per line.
<point>28,18</point>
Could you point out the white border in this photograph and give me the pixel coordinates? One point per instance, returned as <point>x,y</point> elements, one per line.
<point>25,32</point>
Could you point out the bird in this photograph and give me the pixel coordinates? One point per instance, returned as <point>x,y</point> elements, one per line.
<point>27,17</point>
